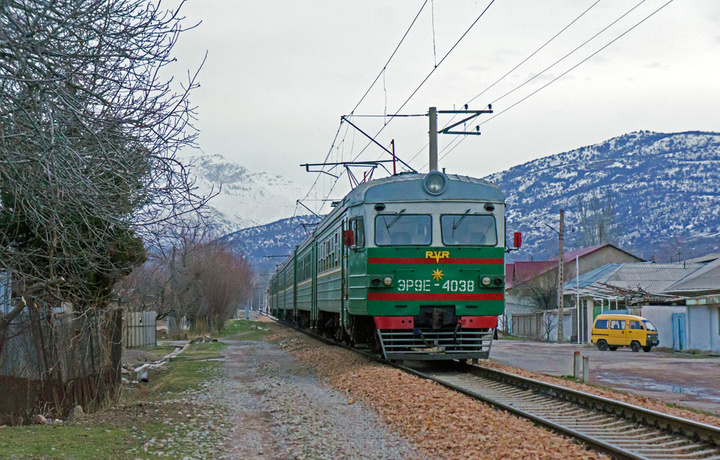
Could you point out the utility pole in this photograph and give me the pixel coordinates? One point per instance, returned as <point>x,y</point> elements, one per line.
<point>433,131</point>
<point>561,263</point>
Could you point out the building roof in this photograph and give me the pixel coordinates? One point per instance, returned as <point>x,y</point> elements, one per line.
<point>705,279</point>
<point>706,258</point>
<point>523,271</point>
<point>587,279</point>
<point>571,255</point>
<point>623,280</point>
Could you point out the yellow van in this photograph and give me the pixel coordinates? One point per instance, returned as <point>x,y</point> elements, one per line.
<point>612,331</point>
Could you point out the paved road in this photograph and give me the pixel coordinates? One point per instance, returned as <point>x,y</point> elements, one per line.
<point>672,377</point>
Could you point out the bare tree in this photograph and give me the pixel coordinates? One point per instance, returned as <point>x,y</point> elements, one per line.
<point>89,132</point>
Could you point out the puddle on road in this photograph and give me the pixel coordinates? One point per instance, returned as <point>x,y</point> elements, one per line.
<point>647,384</point>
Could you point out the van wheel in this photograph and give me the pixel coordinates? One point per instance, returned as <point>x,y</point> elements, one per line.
<point>612,347</point>
<point>647,349</point>
<point>602,345</point>
<point>635,346</point>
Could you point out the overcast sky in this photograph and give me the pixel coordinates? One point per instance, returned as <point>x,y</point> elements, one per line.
<point>279,75</point>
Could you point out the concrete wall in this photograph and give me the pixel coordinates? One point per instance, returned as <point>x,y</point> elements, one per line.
<point>703,332</point>
<point>661,317</point>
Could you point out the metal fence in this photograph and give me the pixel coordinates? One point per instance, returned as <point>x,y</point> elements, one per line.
<point>140,329</point>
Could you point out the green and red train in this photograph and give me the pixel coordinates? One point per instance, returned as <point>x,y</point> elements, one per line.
<point>411,264</point>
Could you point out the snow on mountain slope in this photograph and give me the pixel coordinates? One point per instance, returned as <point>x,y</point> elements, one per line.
<point>246,199</point>
<point>665,188</point>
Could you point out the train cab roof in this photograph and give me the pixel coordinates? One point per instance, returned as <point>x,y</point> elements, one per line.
<point>424,187</point>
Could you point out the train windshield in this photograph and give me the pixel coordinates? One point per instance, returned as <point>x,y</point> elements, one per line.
<point>468,229</point>
<point>403,229</point>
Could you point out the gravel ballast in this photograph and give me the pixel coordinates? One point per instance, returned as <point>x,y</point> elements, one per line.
<point>440,422</point>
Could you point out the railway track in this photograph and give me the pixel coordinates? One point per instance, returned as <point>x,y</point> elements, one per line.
<point>619,429</point>
<point>616,428</point>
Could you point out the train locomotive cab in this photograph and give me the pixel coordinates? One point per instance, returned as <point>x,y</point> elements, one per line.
<point>411,264</point>
<point>434,259</point>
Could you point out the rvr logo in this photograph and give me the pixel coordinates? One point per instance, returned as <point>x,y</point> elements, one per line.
<point>437,255</point>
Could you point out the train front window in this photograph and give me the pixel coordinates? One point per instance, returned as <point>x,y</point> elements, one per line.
<point>468,229</point>
<point>401,229</point>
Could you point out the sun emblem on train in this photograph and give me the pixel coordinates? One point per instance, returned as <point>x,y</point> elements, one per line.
<point>437,274</point>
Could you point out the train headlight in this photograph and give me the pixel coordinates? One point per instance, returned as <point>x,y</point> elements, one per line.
<point>435,183</point>
<point>485,281</point>
<point>388,281</point>
<point>498,281</point>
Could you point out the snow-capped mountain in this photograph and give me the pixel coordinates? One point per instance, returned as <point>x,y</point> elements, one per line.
<point>266,246</point>
<point>665,188</point>
<point>245,199</point>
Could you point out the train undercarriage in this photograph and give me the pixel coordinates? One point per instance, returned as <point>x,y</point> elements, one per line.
<point>434,335</point>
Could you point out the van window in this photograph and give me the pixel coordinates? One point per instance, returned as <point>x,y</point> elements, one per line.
<point>601,324</point>
<point>617,324</point>
<point>649,326</point>
<point>635,325</point>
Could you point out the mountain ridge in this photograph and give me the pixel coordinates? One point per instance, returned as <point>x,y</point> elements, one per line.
<point>664,187</point>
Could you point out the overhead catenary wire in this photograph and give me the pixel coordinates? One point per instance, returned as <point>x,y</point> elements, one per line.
<point>510,107</point>
<point>415,91</point>
<point>381,73</point>
<point>432,71</point>
<point>544,45</point>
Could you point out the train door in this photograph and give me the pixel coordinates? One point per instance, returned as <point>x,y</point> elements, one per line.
<point>345,282</point>
<point>313,275</point>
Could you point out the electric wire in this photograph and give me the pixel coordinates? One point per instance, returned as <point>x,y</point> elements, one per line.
<point>570,53</point>
<point>422,83</point>
<point>427,77</point>
<point>381,73</point>
<point>577,18</point>
<point>568,70</point>
<point>392,55</point>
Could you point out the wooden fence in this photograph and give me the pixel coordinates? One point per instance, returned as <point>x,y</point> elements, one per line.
<point>140,329</point>
<point>52,362</point>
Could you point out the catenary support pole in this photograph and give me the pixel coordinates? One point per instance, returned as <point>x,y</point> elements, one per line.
<point>433,133</point>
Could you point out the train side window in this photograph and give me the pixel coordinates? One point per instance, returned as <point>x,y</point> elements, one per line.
<point>358,229</point>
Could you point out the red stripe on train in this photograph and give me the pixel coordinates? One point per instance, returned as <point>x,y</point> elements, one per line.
<point>433,296</point>
<point>429,260</point>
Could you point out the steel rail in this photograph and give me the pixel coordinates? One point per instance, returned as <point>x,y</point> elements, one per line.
<point>613,427</point>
